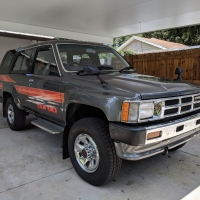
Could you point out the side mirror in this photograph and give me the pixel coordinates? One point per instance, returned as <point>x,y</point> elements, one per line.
<point>179,72</point>
<point>89,70</point>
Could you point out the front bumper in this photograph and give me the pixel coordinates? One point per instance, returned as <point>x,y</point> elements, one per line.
<point>131,142</point>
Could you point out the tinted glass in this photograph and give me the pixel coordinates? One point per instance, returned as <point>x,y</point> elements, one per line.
<point>45,63</point>
<point>74,57</point>
<point>8,59</point>
<point>22,61</point>
<point>5,65</point>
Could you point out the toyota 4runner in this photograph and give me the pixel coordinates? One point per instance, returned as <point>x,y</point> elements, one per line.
<point>104,109</point>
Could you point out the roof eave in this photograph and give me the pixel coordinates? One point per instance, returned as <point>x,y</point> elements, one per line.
<point>141,40</point>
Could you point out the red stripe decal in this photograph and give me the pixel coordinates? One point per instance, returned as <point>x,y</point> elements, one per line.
<point>1,86</point>
<point>10,79</point>
<point>48,108</point>
<point>6,78</point>
<point>21,90</point>
<point>41,94</point>
<point>18,88</point>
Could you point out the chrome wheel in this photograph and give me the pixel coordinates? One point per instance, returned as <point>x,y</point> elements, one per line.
<point>11,117</point>
<point>86,152</point>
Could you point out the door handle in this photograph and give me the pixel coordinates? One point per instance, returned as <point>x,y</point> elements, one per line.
<point>31,82</point>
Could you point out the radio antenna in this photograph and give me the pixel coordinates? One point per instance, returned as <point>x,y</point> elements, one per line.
<point>142,50</point>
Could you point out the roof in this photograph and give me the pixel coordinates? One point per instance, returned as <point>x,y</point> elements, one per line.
<point>65,42</point>
<point>169,50</point>
<point>97,21</point>
<point>162,44</point>
<point>27,36</point>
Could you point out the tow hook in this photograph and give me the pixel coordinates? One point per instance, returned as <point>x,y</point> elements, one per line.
<point>165,151</point>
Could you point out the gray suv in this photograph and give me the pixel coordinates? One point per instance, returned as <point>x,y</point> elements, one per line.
<point>104,109</point>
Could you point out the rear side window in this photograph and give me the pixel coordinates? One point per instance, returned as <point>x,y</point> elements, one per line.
<point>21,64</point>
<point>5,65</point>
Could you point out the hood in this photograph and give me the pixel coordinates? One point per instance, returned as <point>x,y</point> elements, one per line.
<point>150,87</point>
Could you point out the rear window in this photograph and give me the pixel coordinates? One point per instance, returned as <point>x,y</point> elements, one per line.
<point>5,65</point>
<point>21,64</point>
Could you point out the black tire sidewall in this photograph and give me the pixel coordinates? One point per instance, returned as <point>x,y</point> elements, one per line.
<point>10,102</point>
<point>101,174</point>
<point>15,126</point>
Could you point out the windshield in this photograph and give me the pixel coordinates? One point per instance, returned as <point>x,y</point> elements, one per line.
<point>74,57</point>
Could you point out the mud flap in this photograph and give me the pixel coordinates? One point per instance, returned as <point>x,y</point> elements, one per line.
<point>65,152</point>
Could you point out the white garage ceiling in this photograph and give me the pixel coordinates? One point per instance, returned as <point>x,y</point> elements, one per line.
<point>96,20</point>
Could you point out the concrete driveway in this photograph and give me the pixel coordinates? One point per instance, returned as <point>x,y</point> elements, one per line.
<point>31,167</point>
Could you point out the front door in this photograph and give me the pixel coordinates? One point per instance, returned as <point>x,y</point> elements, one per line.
<point>44,86</point>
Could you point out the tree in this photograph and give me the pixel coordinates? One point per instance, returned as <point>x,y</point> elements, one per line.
<point>120,40</point>
<point>188,35</point>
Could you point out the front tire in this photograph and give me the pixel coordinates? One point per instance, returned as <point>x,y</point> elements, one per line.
<point>92,151</point>
<point>15,117</point>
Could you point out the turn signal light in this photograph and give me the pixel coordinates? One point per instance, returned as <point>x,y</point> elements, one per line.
<point>125,111</point>
<point>153,135</point>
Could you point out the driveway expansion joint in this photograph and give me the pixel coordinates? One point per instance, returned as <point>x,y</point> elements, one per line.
<point>190,153</point>
<point>35,180</point>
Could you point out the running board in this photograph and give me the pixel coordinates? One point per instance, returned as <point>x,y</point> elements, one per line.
<point>48,126</point>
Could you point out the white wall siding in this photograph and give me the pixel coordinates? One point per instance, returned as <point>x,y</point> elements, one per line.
<point>138,47</point>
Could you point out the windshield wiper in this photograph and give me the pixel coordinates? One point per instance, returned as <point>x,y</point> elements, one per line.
<point>92,70</point>
<point>105,67</point>
<point>127,68</point>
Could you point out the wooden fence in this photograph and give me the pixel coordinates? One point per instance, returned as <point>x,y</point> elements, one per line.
<point>163,64</point>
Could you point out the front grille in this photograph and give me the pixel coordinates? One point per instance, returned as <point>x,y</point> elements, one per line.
<point>171,102</point>
<point>197,98</point>
<point>196,105</point>
<point>180,105</point>
<point>186,100</point>
<point>172,107</point>
<point>186,108</point>
<point>171,111</point>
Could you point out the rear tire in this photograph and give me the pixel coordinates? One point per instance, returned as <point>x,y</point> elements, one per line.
<point>178,147</point>
<point>92,152</point>
<point>15,117</point>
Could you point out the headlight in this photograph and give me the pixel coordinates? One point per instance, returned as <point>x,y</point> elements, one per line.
<point>146,110</point>
<point>132,111</point>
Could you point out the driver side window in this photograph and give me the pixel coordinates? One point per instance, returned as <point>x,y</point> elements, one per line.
<point>45,63</point>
